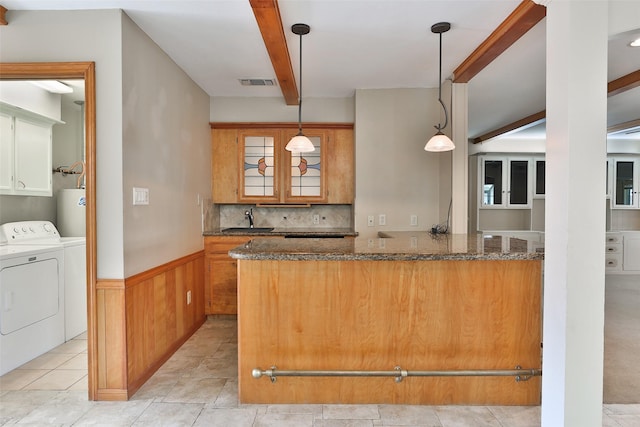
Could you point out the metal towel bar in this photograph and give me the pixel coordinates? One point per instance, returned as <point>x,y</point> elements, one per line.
<point>399,373</point>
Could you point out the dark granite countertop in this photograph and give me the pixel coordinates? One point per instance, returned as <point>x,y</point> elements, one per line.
<point>287,232</point>
<point>394,246</point>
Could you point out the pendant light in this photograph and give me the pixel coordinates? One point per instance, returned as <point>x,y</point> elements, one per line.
<point>300,143</point>
<point>440,141</point>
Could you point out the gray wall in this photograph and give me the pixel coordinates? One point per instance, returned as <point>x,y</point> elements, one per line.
<point>155,133</point>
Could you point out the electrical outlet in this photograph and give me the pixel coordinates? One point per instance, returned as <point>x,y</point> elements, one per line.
<point>188,297</point>
<point>382,219</point>
<point>414,220</point>
<point>370,220</point>
<point>316,219</point>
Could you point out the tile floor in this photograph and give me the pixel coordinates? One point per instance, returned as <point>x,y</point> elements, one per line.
<point>198,387</point>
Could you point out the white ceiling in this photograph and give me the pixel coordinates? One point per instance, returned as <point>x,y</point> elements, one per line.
<point>358,44</point>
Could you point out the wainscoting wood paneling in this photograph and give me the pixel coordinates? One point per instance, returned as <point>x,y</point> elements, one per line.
<point>143,320</point>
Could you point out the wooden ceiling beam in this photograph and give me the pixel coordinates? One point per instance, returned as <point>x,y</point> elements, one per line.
<point>519,124</point>
<point>269,21</point>
<point>3,19</point>
<point>521,20</point>
<point>624,83</point>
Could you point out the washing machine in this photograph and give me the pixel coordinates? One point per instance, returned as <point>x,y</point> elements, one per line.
<point>31,294</point>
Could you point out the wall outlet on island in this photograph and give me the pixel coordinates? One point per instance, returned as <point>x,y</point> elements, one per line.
<point>316,219</point>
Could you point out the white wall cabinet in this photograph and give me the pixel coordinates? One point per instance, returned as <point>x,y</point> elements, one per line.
<point>625,182</point>
<point>505,182</point>
<point>25,153</point>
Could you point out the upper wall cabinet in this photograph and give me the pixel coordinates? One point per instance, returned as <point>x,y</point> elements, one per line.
<point>505,182</point>
<point>25,153</point>
<point>625,182</point>
<point>251,165</point>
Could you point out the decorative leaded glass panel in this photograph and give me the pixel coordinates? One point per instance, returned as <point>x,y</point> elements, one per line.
<point>305,172</point>
<point>259,166</point>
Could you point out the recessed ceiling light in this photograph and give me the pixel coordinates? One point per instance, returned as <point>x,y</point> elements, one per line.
<point>635,43</point>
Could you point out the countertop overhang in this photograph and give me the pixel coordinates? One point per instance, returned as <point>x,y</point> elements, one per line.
<point>394,246</point>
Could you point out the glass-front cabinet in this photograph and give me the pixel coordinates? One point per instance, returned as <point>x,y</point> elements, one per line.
<point>625,183</point>
<point>271,174</point>
<point>506,182</point>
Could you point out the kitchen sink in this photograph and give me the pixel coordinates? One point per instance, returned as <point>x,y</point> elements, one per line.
<point>247,230</point>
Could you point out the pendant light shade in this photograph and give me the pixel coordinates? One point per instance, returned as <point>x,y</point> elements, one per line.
<point>440,141</point>
<point>300,143</point>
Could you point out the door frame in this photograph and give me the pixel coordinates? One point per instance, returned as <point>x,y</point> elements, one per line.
<point>86,71</point>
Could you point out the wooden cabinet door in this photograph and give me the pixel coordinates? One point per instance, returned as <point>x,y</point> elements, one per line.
<point>340,167</point>
<point>224,165</point>
<point>305,173</point>
<point>260,162</point>
<point>223,285</point>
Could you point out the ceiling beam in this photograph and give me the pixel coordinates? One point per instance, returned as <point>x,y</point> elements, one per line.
<point>269,21</point>
<point>624,83</point>
<point>528,121</point>
<point>614,87</point>
<point>521,20</point>
<point>3,19</point>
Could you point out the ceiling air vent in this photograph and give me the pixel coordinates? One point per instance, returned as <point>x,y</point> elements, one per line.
<point>257,82</point>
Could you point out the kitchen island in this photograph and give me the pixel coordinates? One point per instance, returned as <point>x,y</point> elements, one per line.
<point>417,307</point>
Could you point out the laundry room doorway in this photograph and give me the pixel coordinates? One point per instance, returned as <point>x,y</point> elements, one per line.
<point>86,72</point>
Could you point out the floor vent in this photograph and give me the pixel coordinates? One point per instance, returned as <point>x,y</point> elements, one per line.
<point>257,82</point>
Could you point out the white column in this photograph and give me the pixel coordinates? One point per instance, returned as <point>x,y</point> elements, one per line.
<point>460,160</point>
<point>573,331</point>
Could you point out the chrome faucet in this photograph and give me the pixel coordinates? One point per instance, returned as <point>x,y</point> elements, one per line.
<point>249,215</point>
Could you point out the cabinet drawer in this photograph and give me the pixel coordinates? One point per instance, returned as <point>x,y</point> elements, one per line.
<point>223,244</point>
<point>614,238</point>
<point>613,248</point>
<point>613,262</point>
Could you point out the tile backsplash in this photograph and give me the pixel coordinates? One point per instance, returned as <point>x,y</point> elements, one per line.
<point>330,216</point>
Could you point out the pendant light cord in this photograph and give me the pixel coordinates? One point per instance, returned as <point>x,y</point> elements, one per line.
<point>300,97</point>
<point>446,116</point>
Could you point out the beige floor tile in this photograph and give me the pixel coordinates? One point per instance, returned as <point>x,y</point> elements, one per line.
<point>226,417</point>
<point>19,378</point>
<point>228,397</point>
<point>47,361</point>
<point>58,379</point>
<point>195,390</point>
<point>464,416</point>
<point>79,361</point>
<point>344,423</point>
<point>113,413</point>
<point>81,385</point>
<point>408,415</point>
<point>64,409</point>
<point>517,416</point>
<point>169,414</point>
<point>71,347</point>
<point>283,420</point>
<point>350,412</point>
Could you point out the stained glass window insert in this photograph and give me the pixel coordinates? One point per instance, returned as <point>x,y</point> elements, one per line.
<point>259,166</point>
<point>305,172</point>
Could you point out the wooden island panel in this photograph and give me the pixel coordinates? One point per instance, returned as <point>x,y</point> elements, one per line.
<point>375,315</point>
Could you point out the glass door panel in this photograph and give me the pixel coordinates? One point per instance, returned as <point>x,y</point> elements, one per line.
<point>518,182</point>
<point>624,191</point>
<point>259,166</point>
<point>492,183</point>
